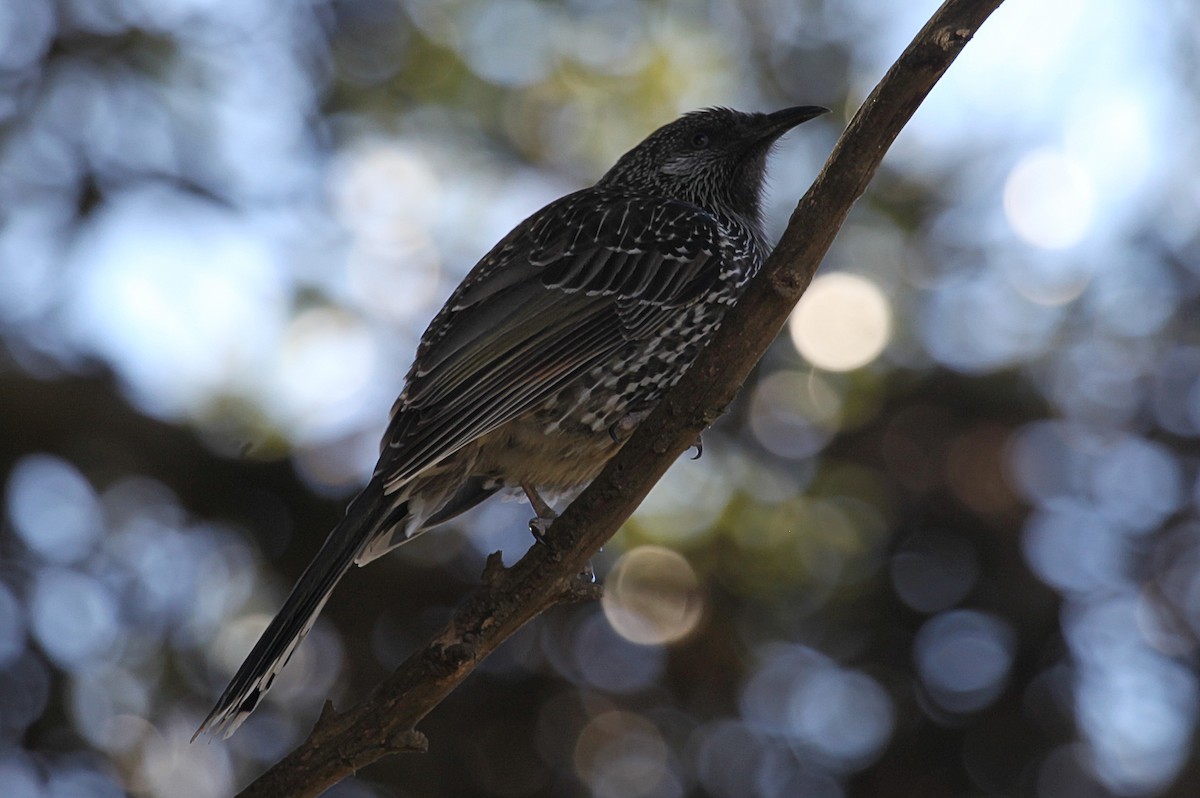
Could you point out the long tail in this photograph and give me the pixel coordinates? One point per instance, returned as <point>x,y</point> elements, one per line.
<point>365,517</point>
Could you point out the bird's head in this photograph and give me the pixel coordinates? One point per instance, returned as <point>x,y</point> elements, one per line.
<point>715,158</point>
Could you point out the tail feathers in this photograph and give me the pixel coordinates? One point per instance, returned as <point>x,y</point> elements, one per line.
<point>414,515</point>
<point>272,651</point>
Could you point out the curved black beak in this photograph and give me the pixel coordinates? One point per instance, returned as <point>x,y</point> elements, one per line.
<point>779,122</point>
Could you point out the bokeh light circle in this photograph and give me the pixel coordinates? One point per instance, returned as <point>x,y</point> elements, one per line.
<point>964,657</point>
<point>842,322</point>
<point>794,415</point>
<point>932,572</point>
<point>621,755</point>
<point>53,508</point>
<point>653,596</point>
<point>74,617</point>
<point>846,716</point>
<point>1049,200</point>
<point>611,663</point>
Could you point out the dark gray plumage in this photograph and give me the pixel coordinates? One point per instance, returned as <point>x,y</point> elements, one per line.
<point>551,351</point>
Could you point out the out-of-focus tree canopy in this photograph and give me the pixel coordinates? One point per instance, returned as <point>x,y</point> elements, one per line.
<point>946,543</point>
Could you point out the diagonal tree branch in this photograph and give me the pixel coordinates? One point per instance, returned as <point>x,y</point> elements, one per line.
<point>385,722</point>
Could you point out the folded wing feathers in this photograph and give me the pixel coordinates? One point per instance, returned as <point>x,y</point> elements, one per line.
<point>580,281</point>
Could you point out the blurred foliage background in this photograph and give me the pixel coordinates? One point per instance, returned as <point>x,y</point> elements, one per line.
<point>945,544</point>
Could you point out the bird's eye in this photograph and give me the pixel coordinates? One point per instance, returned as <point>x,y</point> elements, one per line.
<point>700,140</point>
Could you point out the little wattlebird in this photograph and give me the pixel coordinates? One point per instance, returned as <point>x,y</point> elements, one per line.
<point>551,351</point>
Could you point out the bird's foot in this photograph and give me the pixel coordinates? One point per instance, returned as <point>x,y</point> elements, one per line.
<point>540,528</point>
<point>698,445</point>
<point>494,569</point>
<point>540,524</point>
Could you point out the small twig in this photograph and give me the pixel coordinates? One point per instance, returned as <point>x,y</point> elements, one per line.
<point>493,570</point>
<point>328,714</point>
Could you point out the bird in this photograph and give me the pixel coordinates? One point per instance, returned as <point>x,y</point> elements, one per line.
<point>550,352</point>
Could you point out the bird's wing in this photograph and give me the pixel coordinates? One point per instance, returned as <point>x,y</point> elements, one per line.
<point>565,291</point>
